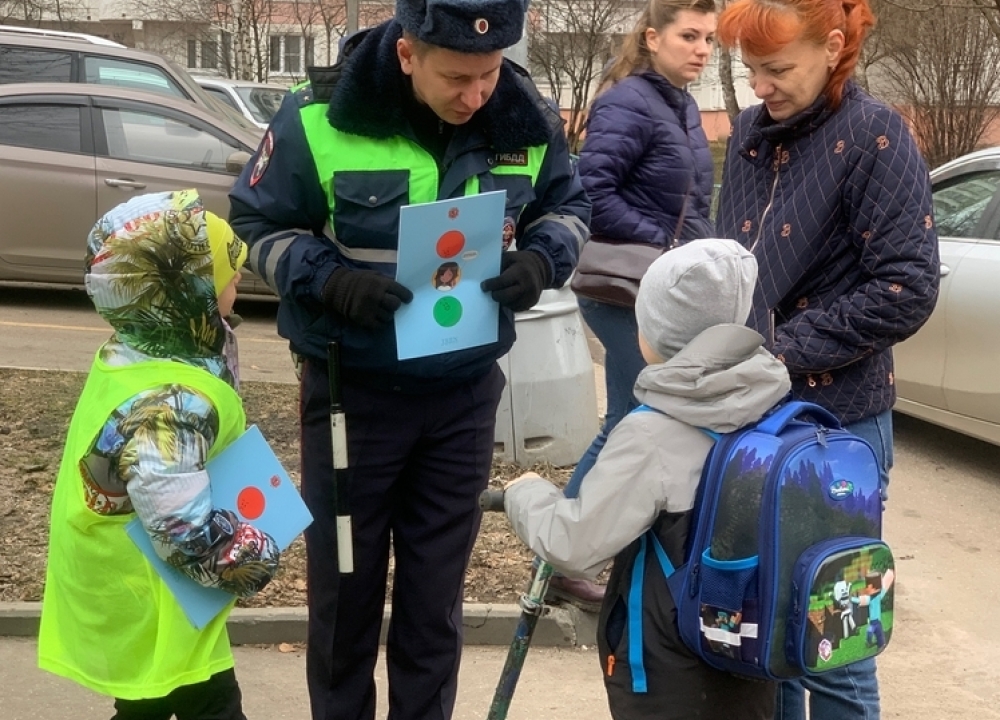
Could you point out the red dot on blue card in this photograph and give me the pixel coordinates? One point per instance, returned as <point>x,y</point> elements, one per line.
<point>450,244</point>
<point>250,503</point>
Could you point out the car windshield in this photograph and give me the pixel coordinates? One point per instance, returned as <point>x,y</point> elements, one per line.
<point>263,102</point>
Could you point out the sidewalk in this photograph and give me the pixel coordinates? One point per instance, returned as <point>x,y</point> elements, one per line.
<point>556,684</point>
<point>490,625</point>
<point>561,677</point>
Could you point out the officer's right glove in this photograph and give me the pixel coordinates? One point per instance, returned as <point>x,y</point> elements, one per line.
<point>523,276</point>
<point>364,297</point>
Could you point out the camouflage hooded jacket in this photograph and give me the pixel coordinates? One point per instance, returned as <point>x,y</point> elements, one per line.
<point>150,275</point>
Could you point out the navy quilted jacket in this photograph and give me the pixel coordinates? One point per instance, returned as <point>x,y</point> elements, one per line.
<point>644,148</point>
<point>836,206</point>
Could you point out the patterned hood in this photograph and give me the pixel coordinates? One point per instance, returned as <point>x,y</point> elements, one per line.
<point>151,273</point>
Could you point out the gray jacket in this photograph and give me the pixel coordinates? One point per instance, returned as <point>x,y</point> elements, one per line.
<point>722,380</point>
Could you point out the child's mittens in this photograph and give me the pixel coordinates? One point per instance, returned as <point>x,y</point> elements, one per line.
<point>247,562</point>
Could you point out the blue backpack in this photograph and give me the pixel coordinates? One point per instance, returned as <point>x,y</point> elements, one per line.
<point>786,573</point>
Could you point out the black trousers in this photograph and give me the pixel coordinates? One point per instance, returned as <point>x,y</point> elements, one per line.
<point>417,464</point>
<point>218,698</point>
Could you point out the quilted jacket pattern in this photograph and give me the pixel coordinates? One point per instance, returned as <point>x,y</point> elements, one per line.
<point>836,205</point>
<point>645,149</point>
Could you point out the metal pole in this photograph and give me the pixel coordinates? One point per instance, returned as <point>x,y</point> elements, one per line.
<point>352,17</point>
<point>532,606</point>
<point>341,489</point>
<point>519,52</point>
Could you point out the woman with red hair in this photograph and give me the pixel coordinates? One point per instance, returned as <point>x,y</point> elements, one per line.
<point>827,187</point>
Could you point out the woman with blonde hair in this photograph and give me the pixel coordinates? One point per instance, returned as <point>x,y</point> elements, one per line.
<point>825,185</point>
<point>647,169</point>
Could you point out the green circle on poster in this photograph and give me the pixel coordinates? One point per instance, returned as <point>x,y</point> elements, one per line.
<point>447,311</point>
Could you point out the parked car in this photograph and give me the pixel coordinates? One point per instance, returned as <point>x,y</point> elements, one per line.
<point>29,55</point>
<point>69,153</point>
<point>945,374</point>
<point>257,102</point>
<point>46,32</point>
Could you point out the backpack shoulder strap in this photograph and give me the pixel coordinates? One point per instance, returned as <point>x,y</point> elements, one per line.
<point>635,594</point>
<point>646,408</point>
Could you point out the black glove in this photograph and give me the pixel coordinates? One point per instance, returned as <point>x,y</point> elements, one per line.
<point>365,297</point>
<point>523,276</point>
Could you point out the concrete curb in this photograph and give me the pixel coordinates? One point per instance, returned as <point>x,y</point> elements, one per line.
<point>483,624</point>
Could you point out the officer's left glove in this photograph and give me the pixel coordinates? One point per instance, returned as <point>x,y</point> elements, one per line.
<point>523,276</point>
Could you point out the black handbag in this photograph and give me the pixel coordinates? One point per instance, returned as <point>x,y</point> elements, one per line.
<point>609,270</point>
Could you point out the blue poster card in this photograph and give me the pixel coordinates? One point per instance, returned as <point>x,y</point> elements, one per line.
<point>248,479</point>
<point>446,249</point>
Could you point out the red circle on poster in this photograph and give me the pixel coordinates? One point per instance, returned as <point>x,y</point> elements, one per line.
<point>450,244</point>
<point>250,503</point>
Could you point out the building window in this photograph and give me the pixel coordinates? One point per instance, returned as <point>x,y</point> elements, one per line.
<point>290,54</point>
<point>210,54</point>
<point>203,54</point>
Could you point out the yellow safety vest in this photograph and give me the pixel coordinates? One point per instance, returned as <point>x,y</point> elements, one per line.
<point>108,620</point>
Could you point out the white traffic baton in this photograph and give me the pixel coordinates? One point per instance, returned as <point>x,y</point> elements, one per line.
<point>341,486</point>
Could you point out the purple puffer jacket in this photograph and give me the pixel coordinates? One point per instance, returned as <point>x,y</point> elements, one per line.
<point>836,205</point>
<point>645,149</point>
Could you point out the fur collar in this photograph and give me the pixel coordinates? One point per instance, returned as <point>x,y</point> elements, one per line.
<point>367,81</point>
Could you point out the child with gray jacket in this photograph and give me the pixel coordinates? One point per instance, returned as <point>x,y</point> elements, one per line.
<point>706,371</point>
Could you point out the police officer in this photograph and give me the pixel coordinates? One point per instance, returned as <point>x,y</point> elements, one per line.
<point>421,108</point>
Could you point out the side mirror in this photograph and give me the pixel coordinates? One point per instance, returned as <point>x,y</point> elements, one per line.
<point>236,162</point>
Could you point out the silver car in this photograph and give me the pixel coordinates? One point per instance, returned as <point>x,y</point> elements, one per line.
<point>257,102</point>
<point>945,374</point>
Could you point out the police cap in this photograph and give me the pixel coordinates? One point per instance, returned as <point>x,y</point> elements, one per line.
<point>469,26</point>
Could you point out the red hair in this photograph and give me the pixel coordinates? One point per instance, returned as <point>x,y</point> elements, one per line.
<point>763,27</point>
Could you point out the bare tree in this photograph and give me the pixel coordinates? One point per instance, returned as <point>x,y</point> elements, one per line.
<point>569,45</point>
<point>726,76</point>
<point>328,19</point>
<point>22,12</point>
<point>325,19</point>
<point>940,65</point>
<point>233,33</point>
<point>31,13</point>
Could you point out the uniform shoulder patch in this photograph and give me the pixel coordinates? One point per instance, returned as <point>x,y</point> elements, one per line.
<point>264,155</point>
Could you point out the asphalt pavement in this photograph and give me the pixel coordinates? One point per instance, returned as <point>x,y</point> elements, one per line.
<point>556,683</point>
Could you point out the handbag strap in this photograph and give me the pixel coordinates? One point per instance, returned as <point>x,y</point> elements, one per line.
<point>680,216</point>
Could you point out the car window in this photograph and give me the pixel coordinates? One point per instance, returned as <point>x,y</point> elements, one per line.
<point>148,137</point>
<point>43,127</point>
<point>22,65</point>
<point>959,203</point>
<point>263,102</point>
<point>221,95</point>
<point>135,75</point>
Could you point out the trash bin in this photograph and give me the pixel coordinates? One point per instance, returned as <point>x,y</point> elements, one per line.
<point>548,411</point>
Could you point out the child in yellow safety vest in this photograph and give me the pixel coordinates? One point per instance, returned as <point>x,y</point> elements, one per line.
<point>161,399</point>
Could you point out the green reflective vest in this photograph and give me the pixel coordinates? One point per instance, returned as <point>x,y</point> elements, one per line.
<point>334,151</point>
<point>108,620</point>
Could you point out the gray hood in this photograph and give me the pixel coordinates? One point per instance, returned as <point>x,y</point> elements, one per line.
<point>722,380</point>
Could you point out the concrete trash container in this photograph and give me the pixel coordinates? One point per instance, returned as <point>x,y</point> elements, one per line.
<point>548,412</point>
